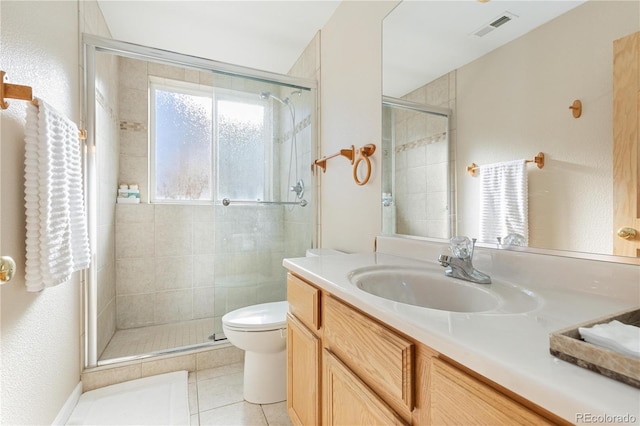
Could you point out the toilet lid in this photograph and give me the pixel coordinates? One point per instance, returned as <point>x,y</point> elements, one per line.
<point>262,317</point>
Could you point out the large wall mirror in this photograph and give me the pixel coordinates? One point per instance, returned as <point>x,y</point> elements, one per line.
<point>508,71</point>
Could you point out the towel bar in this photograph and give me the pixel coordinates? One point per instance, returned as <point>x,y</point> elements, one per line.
<point>538,160</point>
<point>24,93</point>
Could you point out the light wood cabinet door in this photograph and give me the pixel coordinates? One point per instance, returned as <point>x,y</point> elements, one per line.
<point>348,401</point>
<point>459,399</point>
<point>303,374</point>
<point>626,144</point>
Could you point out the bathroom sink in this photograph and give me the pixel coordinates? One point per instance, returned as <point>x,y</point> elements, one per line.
<point>430,288</point>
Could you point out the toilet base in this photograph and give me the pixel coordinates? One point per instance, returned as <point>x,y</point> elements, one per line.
<point>265,377</point>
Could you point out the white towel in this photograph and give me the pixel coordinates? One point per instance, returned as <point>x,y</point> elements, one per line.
<point>504,200</point>
<point>57,239</point>
<point>619,337</point>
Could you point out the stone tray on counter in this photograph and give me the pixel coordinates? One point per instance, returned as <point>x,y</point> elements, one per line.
<point>567,345</point>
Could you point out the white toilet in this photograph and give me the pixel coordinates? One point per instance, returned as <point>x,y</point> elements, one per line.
<point>261,331</point>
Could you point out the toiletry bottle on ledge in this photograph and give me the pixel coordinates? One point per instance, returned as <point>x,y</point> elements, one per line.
<point>128,194</point>
<point>134,191</point>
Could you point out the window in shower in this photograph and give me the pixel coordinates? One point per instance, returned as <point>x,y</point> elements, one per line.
<point>243,143</point>
<point>181,134</point>
<point>187,120</point>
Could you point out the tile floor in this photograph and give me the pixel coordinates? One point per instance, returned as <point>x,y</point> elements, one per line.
<point>215,398</point>
<point>155,338</point>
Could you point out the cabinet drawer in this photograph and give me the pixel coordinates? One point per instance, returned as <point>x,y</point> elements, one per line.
<point>381,358</point>
<point>457,398</point>
<point>304,301</point>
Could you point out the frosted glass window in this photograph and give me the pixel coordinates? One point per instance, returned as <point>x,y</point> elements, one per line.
<point>240,138</point>
<point>181,135</point>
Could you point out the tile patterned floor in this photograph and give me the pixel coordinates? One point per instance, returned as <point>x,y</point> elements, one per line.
<point>215,398</point>
<point>143,340</point>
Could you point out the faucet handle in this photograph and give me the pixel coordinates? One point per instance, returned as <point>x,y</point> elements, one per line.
<point>462,247</point>
<point>444,260</point>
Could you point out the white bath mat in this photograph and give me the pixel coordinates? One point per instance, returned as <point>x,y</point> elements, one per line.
<point>155,400</point>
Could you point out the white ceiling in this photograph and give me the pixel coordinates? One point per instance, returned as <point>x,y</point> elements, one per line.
<point>266,35</point>
<point>422,39</point>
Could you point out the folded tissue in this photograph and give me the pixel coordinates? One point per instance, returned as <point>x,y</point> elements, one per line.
<point>616,336</point>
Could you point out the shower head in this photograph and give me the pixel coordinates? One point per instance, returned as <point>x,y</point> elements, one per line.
<point>267,95</point>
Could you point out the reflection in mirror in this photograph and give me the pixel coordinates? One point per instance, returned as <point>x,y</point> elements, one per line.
<point>416,195</point>
<point>512,102</point>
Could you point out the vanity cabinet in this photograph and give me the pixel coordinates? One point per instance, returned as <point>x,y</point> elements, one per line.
<point>346,368</point>
<point>304,347</point>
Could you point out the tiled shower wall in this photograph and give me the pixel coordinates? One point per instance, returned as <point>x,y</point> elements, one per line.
<point>169,256</point>
<point>422,206</point>
<point>107,158</point>
<point>298,221</point>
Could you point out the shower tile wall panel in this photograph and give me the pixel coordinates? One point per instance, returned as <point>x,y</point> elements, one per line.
<point>134,110</point>
<point>298,222</point>
<point>249,249</point>
<point>107,153</point>
<point>421,205</point>
<point>161,274</point>
<point>168,257</point>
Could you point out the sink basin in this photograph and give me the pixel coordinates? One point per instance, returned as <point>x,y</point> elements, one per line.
<point>430,288</point>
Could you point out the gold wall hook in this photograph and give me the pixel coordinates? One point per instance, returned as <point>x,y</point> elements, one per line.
<point>576,108</point>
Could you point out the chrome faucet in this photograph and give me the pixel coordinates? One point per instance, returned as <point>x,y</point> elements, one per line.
<point>460,265</point>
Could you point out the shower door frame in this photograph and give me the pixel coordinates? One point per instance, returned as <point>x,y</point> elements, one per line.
<point>93,44</point>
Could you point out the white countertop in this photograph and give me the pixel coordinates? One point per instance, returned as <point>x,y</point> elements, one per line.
<point>510,349</point>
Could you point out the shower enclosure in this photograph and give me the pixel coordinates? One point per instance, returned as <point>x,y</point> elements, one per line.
<point>417,174</point>
<point>217,154</point>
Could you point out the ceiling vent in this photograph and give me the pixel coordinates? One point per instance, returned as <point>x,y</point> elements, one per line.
<point>495,23</point>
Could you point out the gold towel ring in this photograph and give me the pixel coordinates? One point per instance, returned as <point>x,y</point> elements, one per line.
<point>365,152</point>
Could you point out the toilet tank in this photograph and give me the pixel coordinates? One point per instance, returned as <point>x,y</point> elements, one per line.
<point>322,252</point>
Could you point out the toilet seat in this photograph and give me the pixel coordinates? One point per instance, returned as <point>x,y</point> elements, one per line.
<point>262,317</point>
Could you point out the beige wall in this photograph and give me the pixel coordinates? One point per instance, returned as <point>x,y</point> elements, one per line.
<point>570,200</point>
<point>41,331</point>
<point>351,114</point>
